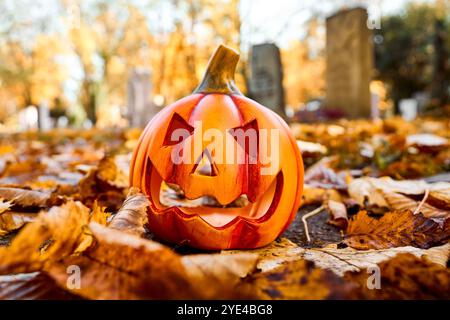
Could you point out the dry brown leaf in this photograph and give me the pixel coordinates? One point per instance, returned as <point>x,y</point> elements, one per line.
<point>28,198</point>
<point>32,286</point>
<point>320,175</point>
<point>338,214</point>
<point>395,229</point>
<point>100,185</point>
<point>364,193</point>
<point>394,194</point>
<point>299,279</point>
<point>4,205</point>
<point>12,221</point>
<point>53,235</point>
<point>312,195</point>
<point>348,259</point>
<point>400,202</point>
<point>111,173</point>
<point>124,266</point>
<point>440,198</point>
<point>132,216</point>
<point>406,277</point>
<point>224,271</point>
<point>337,260</point>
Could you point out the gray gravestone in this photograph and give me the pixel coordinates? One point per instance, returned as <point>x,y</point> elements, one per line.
<point>266,77</point>
<point>44,120</point>
<point>140,109</point>
<point>349,59</point>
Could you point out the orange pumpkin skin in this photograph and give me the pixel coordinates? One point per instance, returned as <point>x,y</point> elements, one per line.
<point>274,198</point>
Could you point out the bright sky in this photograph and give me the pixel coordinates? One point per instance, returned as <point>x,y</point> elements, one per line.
<point>281,21</point>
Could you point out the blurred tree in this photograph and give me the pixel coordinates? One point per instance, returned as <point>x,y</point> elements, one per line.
<point>411,50</point>
<point>304,67</point>
<point>113,37</point>
<point>31,76</point>
<point>108,42</point>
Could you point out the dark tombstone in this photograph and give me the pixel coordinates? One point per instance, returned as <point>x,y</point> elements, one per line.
<point>266,77</point>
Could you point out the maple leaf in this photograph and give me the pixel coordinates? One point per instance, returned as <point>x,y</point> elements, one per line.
<point>395,229</point>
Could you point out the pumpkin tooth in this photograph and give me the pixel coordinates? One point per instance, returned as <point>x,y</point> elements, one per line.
<point>171,194</point>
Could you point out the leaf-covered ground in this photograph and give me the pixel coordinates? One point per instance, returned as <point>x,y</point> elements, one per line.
<point>376,202</point>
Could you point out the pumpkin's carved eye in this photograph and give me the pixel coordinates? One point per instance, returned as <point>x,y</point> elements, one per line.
<point>247,136</point>
<point>177,131</point>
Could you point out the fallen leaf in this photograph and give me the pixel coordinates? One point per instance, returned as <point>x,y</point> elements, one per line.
<point>299,280</point>
<point>341,260</point>
<point>12,221</point>
<point>405,277</point>
<point>123,266</point>
<point>109,171</point>
<point>338,214</point>
<point>53,235</point>
<point>28,198</point>
<point>132,216</point>
<point>218,276</point>
<point>397,201</point>
<point>395,229</point>
<point>4,205</point>
<point>364,193</point>
<point>32,286</point>
<point>396,195</point>
<point>313,195</point>
<point>335,259</point>
<point>320,175</point>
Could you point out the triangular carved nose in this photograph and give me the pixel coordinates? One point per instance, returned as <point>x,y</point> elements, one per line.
<point>204,165</point>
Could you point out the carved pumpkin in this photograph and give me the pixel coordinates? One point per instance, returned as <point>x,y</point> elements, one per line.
<point>250,199</point>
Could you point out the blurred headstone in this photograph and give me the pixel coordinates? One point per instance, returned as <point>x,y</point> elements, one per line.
<point>28,118</point>
<point>62,122</point>
<point>140,109</point>
<point>375,105</point>
<point>423,99</point>
<point>408,109</point>
<point>349,59</point>
<point>44,120</point>
<point>266,76</point>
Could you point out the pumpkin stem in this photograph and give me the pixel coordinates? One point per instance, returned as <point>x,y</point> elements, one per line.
<point>219,75</point>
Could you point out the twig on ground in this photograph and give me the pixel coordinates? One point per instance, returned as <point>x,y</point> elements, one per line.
<point>308,215</point>
<point>425,197</point>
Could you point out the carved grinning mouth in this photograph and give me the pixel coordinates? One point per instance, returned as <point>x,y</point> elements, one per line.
<point>169,198</point>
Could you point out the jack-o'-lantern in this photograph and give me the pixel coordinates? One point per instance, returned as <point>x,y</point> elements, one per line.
<point>232,163</point>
